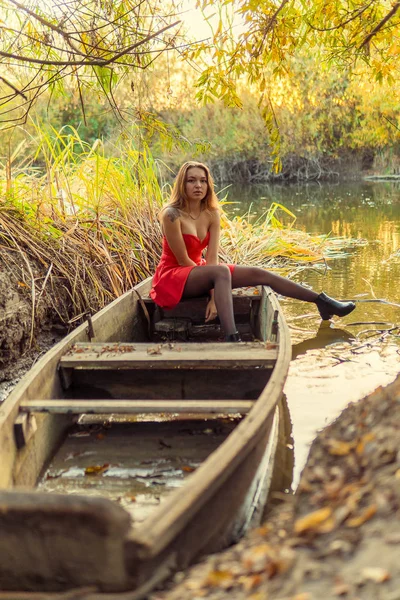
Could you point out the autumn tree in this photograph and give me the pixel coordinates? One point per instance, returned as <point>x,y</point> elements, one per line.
<point>94,43</point>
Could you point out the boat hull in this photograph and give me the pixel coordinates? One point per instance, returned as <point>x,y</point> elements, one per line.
<point>223,497</point>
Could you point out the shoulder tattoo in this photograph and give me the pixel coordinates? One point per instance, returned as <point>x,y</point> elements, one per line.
<point>172,213</point>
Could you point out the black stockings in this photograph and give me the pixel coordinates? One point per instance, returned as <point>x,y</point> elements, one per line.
<point>205,278</point>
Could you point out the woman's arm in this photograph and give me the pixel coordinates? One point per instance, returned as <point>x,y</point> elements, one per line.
<point>172,230</point>
<point>213,244</point>
<point>212,259</point>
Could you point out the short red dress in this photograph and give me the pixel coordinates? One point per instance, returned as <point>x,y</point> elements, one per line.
<point>170,278</point>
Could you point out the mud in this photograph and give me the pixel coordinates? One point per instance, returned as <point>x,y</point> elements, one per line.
<point>29,324</point>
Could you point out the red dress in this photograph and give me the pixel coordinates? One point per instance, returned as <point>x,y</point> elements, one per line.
<point>170,278</point>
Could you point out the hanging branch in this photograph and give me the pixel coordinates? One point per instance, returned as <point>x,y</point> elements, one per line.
<point>75,41</point>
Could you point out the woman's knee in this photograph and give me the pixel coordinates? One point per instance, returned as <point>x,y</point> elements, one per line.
<point>222,273</point>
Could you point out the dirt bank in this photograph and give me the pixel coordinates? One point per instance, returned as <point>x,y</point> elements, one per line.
<point>28,327</point>
<point>337,537</point>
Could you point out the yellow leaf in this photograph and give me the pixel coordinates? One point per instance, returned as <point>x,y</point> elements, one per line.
<point>97,469</point>
<point>313,520</point>
<point>365,515</point>
<point>219,578</point>
<point>339,448</point>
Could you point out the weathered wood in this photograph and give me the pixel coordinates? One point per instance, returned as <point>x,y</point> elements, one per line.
<point>24,428</point>
<point>167,525</point>
<point>136,406</point>
<point>55,539</point>
<point>153,384</point>
<point>199,517</point>
<point>117,321</point>
<point>244,301</point>
<point>177,355</point>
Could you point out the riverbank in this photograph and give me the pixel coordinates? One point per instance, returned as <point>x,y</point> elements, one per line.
<point>337,537</point>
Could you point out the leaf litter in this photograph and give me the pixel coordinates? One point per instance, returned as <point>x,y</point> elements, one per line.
<point>338,536</point>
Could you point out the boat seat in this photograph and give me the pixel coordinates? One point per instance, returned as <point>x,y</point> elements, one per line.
<point>77,407</point>
<point>245,301</point>
<point>117,356</point>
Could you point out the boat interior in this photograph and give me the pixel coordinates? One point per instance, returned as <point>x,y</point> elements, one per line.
<point>130,405</point>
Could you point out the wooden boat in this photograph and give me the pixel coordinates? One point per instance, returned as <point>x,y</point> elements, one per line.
<point>134,387</point>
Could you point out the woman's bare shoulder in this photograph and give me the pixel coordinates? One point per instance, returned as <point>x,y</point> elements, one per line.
<point>171,213</point>
<point>215,215</point>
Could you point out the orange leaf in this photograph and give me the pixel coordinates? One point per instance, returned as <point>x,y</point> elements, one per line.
<point>97,469</point>
<point>313,520</point>
<point>188,469</point>
<point>339,448</point>
<point>220,579</point>
<point>365,515</point>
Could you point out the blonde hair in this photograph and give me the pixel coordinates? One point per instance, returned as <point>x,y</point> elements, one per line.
<point>178,198</point>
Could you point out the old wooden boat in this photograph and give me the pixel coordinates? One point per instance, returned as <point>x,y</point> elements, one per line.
<point>138,405</point>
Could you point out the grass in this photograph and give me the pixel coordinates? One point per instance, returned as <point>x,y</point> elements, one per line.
<point>79,225</point>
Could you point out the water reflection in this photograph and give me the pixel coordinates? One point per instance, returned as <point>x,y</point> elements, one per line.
<point>326,335</point>
<point>340,362</point>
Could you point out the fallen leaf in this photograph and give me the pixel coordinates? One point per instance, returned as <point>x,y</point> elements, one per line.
<point>222,579</point>
<point>153,351</point>
<point>339,448</point>
<point>375,574</point>
<point>256,558</point>
<point>313,520</point>
<point>364,516</point>
<point>97,469</point>
<point>188,469</point>
<point>368,437</point>
<point>249,582</point>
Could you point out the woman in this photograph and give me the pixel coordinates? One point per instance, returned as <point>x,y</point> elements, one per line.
<point>191,223</point>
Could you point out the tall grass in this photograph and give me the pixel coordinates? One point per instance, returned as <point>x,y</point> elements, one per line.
<point>79,226</point>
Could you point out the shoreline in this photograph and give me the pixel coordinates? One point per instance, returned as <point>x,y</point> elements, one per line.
<point>337,536</point>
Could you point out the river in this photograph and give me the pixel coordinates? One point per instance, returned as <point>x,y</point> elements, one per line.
<point>335,363</point>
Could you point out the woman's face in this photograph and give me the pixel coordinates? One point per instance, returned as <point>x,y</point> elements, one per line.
<point>196,185</point>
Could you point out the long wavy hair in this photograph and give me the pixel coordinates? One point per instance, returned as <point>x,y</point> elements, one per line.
<point>179,199</point>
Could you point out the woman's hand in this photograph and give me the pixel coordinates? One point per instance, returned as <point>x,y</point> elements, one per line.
<point>211,310</point>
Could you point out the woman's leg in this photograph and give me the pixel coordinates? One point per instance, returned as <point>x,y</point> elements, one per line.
<point>205,278</point>
<point>244,276</point>
<point>327,307</point>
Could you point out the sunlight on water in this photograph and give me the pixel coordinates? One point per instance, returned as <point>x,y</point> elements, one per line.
<point>340,362</point>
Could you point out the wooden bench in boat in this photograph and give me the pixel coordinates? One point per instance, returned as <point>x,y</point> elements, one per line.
<point>248,355</point>
<point>192,310</point>
<point>77,407</point>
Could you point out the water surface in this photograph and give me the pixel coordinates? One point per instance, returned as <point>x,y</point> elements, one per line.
<point>338,362</point>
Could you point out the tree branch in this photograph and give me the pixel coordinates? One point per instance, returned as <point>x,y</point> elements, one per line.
<point>88,63</point>
<point>375,30</point>
<point>16,91</point>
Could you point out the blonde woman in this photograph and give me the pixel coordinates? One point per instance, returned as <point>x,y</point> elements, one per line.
<point>191,224</point>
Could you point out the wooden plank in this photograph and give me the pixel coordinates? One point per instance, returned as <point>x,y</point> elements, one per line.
<point>244,301</point>
<point>117,321</point>
<point>137,406</point>
<point>24,428</point>
<point>177,355</point>
<point>38,549</point>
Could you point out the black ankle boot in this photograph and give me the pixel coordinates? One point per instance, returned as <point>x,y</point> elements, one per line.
<point>329,306</point>
<point>233,337</point>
